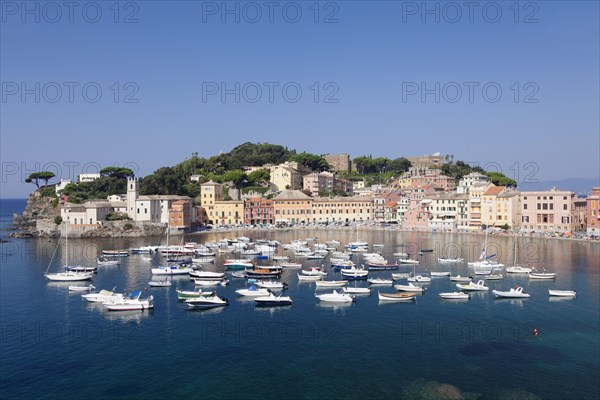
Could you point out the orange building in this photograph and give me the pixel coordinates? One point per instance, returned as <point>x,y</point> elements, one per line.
<point>593,212</point>
<point>292,206</point>
<point>180,214</point>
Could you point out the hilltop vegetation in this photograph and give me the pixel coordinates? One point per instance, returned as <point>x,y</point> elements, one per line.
<point>228,167</point>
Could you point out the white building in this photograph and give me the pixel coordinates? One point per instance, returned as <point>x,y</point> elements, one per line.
<point>449,211</point>
<point>61,185</point>
<point>467,181</point>
<point>88,177</point>
<point>91,212</point>
<point>149,208</point>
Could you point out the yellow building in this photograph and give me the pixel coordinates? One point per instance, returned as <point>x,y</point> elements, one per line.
<point>500,206</point>
<point>475,194</point>
<point>216,210</point>
<point>227,213</point>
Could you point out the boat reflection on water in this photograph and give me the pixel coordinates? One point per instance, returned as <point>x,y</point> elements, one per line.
<point>514,302</point>
<point>337,307</point>
<point>554,299</point>
<point>385,303</point>
<point>272,310</point>
<point>135,316</point>
<point>199,311</point>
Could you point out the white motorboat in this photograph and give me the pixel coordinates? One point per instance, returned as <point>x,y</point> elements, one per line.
<point>459,278</point>
<point>408,261</point>
<point>189,294</point>
<point>494,276</point>
<point>450,260</point>
<point>207,275</point>
<point>238,264</point>
<point>309,278</point>
<point>400,255</point>
<point>272,300</point>
<point>314,271</point>
<point>270,284</point>
<point>516,292</point>
<point>132,302</point>
<point>542,275</point>
<point>102,296</point>
<point>379,281</point>
<point>444,273</point>
<point>395,296</point>
<point>419,279</point>
<point>409,288</point>
<point>455,296</point>
<point>253,291</point>
<point>164,283</point>
<point>357,290</point>
<point>81,288</point>
<point>472,286</point>
<point>210,282</point>
<point>329,284</point>
<point>517,269</point>
<point>281,258</point>
<point>171,270</point>
<point>400,275</point>
<point>341,263</point>
<point>207,301</point>
<point>335,297</point>
<point>290,265</point>
<point>562,293</point>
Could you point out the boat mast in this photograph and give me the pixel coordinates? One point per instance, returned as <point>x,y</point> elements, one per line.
<point>516,250</point>
<point>67,244</point>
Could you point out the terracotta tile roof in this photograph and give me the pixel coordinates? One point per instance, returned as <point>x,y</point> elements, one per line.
<point>494,190</point>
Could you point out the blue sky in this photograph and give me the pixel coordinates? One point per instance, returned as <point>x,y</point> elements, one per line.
<point>375,61</point>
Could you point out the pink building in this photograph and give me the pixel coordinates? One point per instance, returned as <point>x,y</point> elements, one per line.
<point>417,214</point>
<point>258,211</point>
<point>381,200</point>
<point>550,211</point>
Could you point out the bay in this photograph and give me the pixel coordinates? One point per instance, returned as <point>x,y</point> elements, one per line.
<point>54,345</point>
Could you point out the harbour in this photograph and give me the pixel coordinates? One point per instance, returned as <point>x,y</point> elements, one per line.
<point>481,347</point>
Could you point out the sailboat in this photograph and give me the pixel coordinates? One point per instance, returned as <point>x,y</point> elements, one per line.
<point>171,269</point>
<point>69,275</point>
<point>516,268</point>
<point>484,265</point>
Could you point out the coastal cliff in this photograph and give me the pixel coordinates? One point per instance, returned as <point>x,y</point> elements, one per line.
<point>38,220</point>
<point>41,208</point>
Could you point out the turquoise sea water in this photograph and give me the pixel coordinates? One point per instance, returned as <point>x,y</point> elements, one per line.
<point>53,345</point>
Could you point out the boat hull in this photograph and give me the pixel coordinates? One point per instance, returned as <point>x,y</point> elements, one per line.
<point>396,297</point>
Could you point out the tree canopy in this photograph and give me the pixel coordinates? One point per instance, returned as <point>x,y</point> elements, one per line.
<point>35,177</point>
<point>370,165</point>
<point>312,161</point>
<point>116,172</point>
